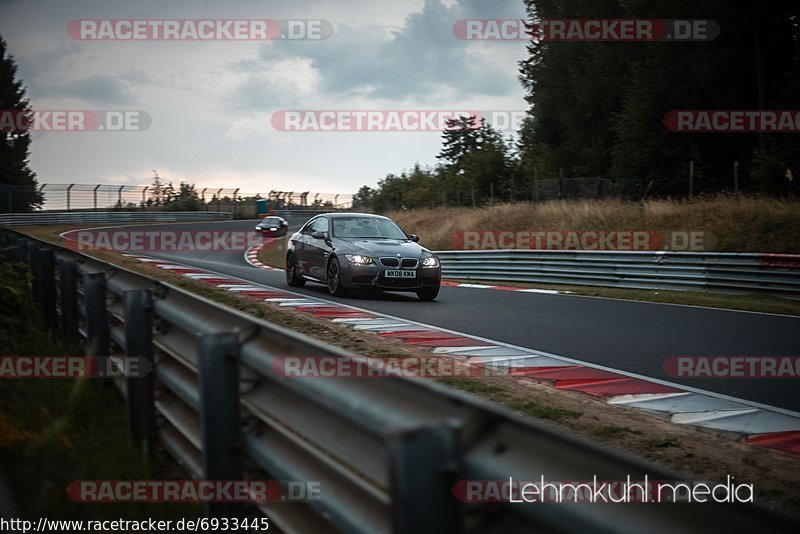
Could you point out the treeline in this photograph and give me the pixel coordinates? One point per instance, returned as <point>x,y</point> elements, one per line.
<point>597,109</point>
<point>476,164</point>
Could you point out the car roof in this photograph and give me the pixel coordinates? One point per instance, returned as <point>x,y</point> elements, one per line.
<point>337,214</point>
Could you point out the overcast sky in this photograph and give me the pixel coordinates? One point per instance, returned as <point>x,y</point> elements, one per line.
<point>211,102</point>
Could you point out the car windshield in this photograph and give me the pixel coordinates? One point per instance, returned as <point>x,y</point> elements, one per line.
<point>366,228</point>
<point>271,220</point>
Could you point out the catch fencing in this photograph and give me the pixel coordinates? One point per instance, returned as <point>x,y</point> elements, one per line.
<point>101,197</point>
<point>109,217</point>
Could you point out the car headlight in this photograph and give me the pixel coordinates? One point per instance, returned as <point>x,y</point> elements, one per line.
<point>430,261</point>
<point>357,259</point>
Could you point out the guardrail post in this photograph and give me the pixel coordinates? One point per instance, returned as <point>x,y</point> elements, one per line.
<point>34,266</point>
<point>94,300</point>
<point>47,286</point>
<point>424,466</point>
<point>8,245</point>
<point>218,358</point>
<point>138,305</point>
<point>22,257</point>
<point>67,274</point>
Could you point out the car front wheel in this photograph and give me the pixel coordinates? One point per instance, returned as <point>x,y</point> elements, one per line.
<point>428,293</point>
<point>335,278</point>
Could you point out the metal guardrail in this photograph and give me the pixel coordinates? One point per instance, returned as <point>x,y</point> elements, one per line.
<point>386,452</point>
<point>773,273</point>
<point>108,217</point>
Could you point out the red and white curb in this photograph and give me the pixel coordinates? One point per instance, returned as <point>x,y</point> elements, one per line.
<point>505,288</point>
<point>758,424</point>
<point>251,257</point>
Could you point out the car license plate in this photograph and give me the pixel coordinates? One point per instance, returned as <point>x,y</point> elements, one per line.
<point>400,274</point>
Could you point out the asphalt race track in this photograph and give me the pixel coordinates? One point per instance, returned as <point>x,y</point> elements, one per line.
<point>636,337</point>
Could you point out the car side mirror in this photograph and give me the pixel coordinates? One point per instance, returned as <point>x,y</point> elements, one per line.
<point>414,238</point>
<point>318,235</point>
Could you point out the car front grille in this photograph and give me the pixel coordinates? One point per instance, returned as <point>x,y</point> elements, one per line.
<point>406,263</point>
<point>390,262</point>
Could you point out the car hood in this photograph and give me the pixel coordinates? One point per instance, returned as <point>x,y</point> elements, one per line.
<point>379,247</point>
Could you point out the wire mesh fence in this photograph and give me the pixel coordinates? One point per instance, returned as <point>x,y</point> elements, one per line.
<point>572,188</point>
<point>105,197</point>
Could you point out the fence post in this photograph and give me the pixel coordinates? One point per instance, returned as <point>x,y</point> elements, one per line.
<point>94,299</point>
<point>138,306</point>
<point>67,271</point>
<point>47,284</point>
<point>69,195</point>
<point>220,416</point>
<point>94,196</point>
<point>424,466</point>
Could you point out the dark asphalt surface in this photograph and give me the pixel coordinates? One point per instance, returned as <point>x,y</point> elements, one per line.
<point>631,336</point>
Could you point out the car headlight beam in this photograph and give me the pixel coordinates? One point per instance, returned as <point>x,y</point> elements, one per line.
<point>430,261</point>
<point>357,259</point>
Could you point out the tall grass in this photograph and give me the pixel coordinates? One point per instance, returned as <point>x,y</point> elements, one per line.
<point>736,223</point>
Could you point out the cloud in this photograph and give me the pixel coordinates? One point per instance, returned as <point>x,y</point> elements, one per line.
<point>100,90</point>
<point>419,60</point>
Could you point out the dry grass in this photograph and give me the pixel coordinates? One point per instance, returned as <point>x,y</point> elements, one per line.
<point>737,223</point>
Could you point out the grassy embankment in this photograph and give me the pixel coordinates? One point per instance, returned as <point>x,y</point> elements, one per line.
<point>57,430</point>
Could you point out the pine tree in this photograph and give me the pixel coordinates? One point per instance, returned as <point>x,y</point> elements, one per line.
<point>19,190</point>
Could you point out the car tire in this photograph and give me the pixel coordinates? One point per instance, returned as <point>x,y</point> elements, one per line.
<point>292,278</point>
<point>428,293</point>
<point>334,278</point>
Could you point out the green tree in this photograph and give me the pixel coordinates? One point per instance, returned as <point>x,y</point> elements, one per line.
<point>598,108</point>
<point>19,189</point>
<point>185,198</point>
<point>363,199</point>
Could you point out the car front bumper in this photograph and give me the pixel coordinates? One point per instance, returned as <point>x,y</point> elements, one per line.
<point>366,276</point>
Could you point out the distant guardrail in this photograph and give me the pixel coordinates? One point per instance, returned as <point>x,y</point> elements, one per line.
<point>108,217</point>
<point>386,452</point>
<point>746,272</point>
